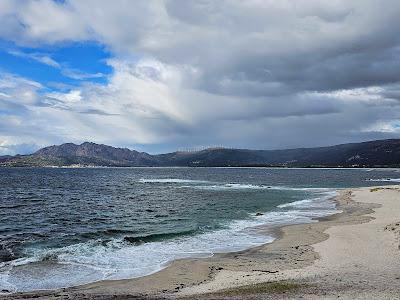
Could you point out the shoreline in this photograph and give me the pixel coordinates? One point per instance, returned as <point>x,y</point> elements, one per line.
<point>266,233</point>
<point>269,231</point>
<point>383,168</point>
<point>292,252</point>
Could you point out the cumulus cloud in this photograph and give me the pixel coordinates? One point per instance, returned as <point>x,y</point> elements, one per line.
<point>258,74</point>
<point>31,22</point>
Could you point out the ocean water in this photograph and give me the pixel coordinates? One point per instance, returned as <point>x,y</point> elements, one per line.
<point>65,227</point>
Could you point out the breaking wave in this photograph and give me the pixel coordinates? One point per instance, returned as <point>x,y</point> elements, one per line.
<point>385,179</point>
<point>135,256</point>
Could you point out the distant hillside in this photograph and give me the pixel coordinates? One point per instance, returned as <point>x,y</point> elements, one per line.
<point>87,154</point>
<point>382,153</point>
<point>5,158</point>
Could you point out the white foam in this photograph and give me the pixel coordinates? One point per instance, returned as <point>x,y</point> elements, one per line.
<point>169,180</point>
<point>205,185</point>
<point>240,186</point>
<point>385,179</point>
<point>317,202</point>
<point>300,203</point>
<point>92,261</point>
<point>228,186</point>
<point>286,188</point>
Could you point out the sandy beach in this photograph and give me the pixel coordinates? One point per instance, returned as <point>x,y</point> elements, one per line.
<point>352,255</point>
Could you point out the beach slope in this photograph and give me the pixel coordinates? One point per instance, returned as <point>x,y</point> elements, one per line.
<point>359,259</point>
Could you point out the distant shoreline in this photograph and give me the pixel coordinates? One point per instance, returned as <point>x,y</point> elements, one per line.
<point>372,154</point>
<point>199,167</point>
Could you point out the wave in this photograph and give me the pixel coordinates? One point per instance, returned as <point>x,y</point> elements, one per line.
<point>240,186</point>
<point>317,202</point>
<point>205,185</point>
<point>12,206</point>
<point>384,179</point>
<point>170,180</point>
<point>297,203</point>
<point>228,186</point>
<point>131,255</point>
<point>118,259</point>
<point>305,189</point>
<point>137,240</point>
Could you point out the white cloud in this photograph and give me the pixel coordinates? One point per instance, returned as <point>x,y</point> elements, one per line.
<point>79,75</point>
<point>44,59</point>
<point>148,102</point>
<point>42,21</point>
<point>72,96</point>
<point>384,126</point>
<point>19,90</point>
<point>259,73</point>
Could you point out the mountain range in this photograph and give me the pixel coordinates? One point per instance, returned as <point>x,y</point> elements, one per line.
<point>380,153</point>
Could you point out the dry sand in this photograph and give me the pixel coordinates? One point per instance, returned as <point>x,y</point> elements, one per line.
<point>351,255</point>
<point>359,260</point>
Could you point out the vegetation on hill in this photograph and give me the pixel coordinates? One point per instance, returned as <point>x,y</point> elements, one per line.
<point>381,153</point>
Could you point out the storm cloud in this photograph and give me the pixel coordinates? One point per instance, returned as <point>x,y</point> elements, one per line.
<point>248,74</point>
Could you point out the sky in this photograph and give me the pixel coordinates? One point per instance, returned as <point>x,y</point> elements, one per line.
<point>158,76</point>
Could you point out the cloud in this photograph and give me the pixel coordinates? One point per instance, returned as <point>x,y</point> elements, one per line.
<point>146,104</point>
<point>28,23</point>
<point>79,75</point>
<point>19,90</point>
<point>41,58</point>
<point>7,148</point>
<point>260,74</point>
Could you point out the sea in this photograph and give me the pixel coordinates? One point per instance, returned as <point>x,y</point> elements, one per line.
<point>62,227</point>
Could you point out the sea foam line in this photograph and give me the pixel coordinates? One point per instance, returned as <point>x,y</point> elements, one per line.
<point>170,180</point>
<point>205,185</point>
<point>385,179</point>
<point>240,186</point>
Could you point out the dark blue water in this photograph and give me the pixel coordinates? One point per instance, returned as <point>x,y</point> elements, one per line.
<point>95,224</point>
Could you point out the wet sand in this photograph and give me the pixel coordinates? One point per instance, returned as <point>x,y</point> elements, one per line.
<point>354,255</point>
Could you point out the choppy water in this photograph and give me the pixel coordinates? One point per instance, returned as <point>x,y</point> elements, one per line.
<point>65,227</point>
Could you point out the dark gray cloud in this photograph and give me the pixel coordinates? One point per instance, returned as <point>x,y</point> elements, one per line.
<point>256,74</point>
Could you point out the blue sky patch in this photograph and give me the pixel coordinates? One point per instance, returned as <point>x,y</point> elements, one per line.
<point>69,65</point>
